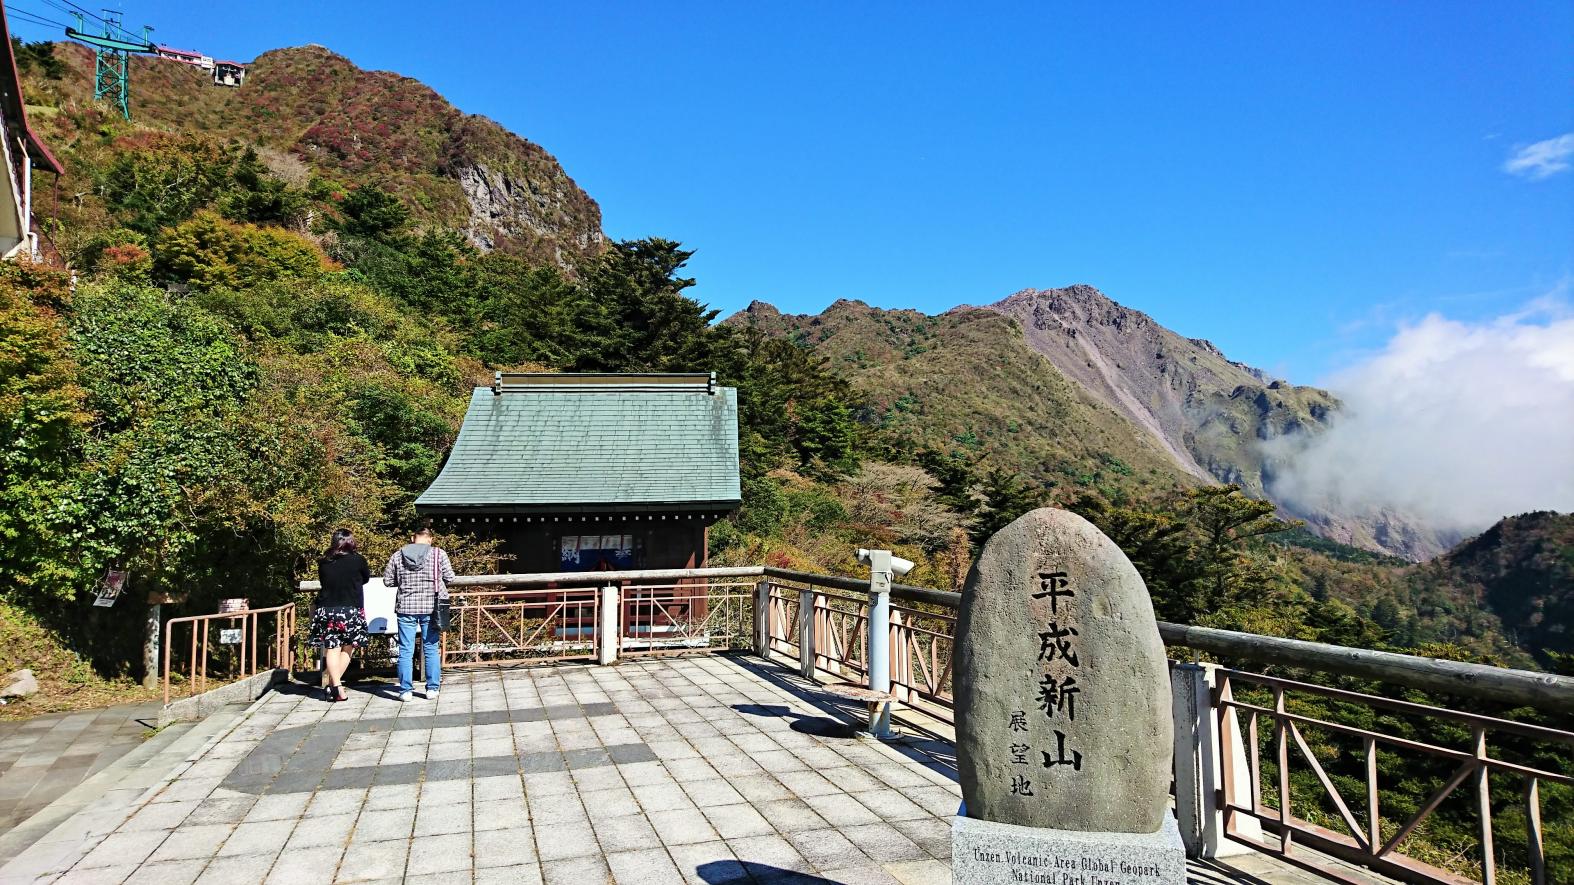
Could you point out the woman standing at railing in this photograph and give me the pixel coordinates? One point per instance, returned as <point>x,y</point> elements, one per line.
<point>339,616</point>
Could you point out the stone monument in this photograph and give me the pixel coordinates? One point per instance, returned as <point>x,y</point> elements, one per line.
<point>1064,729</point>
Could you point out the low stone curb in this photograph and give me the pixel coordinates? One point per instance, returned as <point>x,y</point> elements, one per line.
<point>199,707</point>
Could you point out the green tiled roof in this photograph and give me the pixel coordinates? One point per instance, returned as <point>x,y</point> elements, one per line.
<point>554,450</point>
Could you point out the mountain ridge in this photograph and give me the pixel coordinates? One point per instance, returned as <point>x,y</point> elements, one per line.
<point>1209,415</point>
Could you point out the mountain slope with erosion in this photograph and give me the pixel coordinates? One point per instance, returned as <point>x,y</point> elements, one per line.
<point>316,110</point>
<point>1214,415</point>
<point>1126,388</point>
<point>966,382</point>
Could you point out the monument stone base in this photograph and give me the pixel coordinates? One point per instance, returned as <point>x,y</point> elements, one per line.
<point>987,853</point>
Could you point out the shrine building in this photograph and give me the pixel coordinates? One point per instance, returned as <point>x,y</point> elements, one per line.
<point>592,472</point>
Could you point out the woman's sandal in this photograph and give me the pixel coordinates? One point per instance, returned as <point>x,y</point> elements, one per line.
<point>341,695</point>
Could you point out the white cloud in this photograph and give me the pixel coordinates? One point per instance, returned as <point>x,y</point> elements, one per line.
<point>1459,424</point>
<point>1542,159</point>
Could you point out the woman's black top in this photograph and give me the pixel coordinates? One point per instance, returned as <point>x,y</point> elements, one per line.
<point>343,580</point>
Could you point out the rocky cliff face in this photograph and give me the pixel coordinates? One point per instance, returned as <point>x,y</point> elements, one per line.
<point>1208,412</point>
<point>1213,415</point>
<point>353,127</point>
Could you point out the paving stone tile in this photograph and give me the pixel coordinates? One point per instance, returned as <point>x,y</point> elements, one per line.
<point>328,802</point>
<point>159,816</point>
<point>331,830</point>
<point>505,847</point>
<point>373,860</point>
<point>853,779</point>
<point>501,814</point>
<point>711,792</point>
<point>441,819</point>
<point>627,833</point>
<point>768,853</point>
<point>683,826</point>
<point>648,867</point>
<point>524,874</point>
<point>599,778</point>
<point>171,872</point>
<point>610,803</point>
<point>440,854</point>
<point>191,842</point>
<point>841,810</point>
<point>501,787</point>
<point>661,797</point>
<point>938,801</point>
<point>222,811</point>
<point>97,876</point>
<point>258,837</point>
<point>759,788</point>
<point>444,792</point>
<point>791,815</point>
<point>827,849</point>
<point>890,805</point>
<point>931,834</point>
<point>377,826</point>
<point>556,809</point>
<point>548,783</point>
<point>568,840</point>
<point>867,874</point>
<point>921,872</point>
<point>737,821</point>
<point>708,863</point>
<point>735,766</point>
<point>884,843</point>
<point>313,866</point>
<point>385,796</point>
<point>246,869</point>
<point>121,849</point>
<point>584,870</point>
<point>805,784</point>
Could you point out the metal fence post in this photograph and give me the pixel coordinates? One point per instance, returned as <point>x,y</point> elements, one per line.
<point>609,629</point>
<point>762,619</point>
<point>806,633</point>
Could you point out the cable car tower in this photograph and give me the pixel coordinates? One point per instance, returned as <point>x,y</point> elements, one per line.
<point>112,57</point>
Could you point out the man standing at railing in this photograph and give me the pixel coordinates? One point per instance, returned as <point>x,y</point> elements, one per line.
<point>421,572</point>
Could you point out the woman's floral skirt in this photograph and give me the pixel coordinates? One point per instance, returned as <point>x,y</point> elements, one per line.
<point>335,627</point>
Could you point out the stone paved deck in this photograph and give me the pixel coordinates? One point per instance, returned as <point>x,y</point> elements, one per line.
<point>696,770</point>
<point>43,757</point>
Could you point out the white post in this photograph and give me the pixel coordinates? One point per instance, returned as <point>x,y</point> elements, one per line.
<point>762,619</point>
<point>609,630</point>
<point>1199,772</point>
<point>1194,787</point>
<point>806,633</point>
<point>878,644</point>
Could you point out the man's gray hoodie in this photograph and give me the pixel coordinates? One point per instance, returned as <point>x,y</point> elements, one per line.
<point>421,572</point>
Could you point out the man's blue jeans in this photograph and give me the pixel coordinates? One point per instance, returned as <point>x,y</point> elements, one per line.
<point>426,626</point>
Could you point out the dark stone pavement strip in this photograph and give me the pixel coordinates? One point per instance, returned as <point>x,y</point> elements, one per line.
<point>308,769</point>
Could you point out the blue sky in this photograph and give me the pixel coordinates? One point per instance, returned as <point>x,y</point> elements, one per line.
<point>1289,181</point>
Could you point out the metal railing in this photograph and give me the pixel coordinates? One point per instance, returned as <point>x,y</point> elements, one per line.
<point>1371,842</point>
<point>1261,783</point>
<point>519,626</point>
<point>686,616</point>
<point>229,646</point>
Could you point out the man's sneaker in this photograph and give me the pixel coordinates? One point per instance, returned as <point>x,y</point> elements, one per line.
<point>406,696</point>
<point>431,694</point>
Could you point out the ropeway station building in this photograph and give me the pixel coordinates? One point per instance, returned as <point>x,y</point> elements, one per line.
<point>592,472</point>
